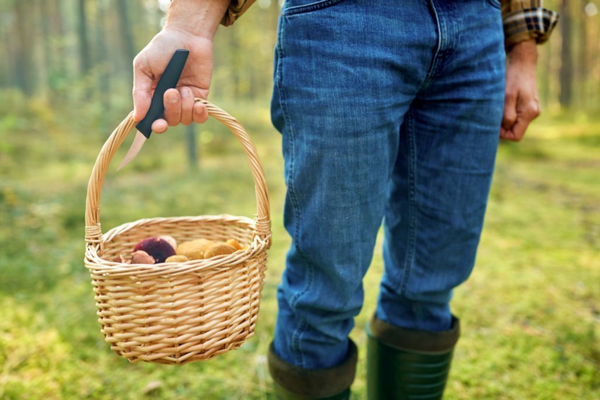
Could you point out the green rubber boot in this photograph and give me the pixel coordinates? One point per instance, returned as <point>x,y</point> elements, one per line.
<point>408,363</point>
<point>294,383</point>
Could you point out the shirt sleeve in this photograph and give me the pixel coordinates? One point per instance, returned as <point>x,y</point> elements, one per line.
<point>235,10</point>
<point>527,19</point>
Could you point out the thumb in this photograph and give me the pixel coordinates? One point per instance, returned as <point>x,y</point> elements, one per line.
<point>142,89</point>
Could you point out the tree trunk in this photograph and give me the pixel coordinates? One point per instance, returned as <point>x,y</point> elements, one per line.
<point>24,49</point>
<point>104,81</point>
<point>566,68</point>
<point>7,77</point>
<point>46,43</point>
<point>85,63</point>
<point>191,147</point>
<point>583,49</point>
<point>57,33</point>
<point>127,37</point>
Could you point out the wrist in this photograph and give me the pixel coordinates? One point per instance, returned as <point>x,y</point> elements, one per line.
<point>523,52</point>
<point>196,18</point>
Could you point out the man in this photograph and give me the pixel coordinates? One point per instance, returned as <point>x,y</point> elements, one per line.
<point>389,111</point>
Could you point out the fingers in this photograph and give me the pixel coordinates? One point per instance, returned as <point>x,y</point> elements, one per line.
<point>142,88</point>
<point>187,106</point>
<point>200,113</point>
<point>172,102</point>
<point>180,107</point>
<point>525,113</point>
<point>160,126</point>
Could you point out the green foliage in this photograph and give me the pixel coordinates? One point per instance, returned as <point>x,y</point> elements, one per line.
<point>530,310</point>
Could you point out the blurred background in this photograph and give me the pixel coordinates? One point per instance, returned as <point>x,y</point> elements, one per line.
<point>531,310</point>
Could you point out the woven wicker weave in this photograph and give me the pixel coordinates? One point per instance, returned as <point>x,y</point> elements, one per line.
<point>175,313</point>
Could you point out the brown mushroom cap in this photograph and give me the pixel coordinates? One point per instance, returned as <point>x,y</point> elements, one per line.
<point>141,257</point>
<point>171,240</point>
<point>158,248</point>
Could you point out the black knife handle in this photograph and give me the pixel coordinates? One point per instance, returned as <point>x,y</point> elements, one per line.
<point>168,80</point>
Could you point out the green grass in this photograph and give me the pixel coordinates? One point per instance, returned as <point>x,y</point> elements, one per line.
<point>530,311</point>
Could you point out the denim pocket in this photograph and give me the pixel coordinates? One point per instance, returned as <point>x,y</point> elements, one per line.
<point>495,3</point>
<point>294,7</point>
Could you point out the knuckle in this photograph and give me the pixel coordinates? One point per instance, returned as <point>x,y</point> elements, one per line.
<point>532,113</point>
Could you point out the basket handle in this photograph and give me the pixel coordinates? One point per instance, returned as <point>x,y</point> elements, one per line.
<point>93,231</point>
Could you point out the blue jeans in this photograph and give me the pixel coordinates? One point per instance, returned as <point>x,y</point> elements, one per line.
<point>389,111</point>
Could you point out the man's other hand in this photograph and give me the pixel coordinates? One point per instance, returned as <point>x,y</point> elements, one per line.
<point>521,103</point>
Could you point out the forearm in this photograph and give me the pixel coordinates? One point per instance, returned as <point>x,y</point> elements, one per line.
<point>523,52</point>
<point>196,17</point>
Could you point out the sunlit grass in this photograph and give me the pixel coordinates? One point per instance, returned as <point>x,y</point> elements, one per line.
<point>530,311</point>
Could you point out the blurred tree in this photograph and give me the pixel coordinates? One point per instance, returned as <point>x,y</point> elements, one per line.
<point>566,56</point>
<point>191,147</point>
<point>85,62</point>
<point>24,47</point>
<point>125,30</point>
<point>46,44</point>
<point>582,61</point>
<point>104,76</point>
<point>57,40</point>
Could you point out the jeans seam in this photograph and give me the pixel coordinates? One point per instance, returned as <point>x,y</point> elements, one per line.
<point>433,68</point>
<point>448,37</point>
<point>409,258</point>
<point>297,334</point>
<point>296,347</point>
<point>291,186</point>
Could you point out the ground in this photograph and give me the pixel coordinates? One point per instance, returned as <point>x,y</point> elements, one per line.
<point>530,312</point>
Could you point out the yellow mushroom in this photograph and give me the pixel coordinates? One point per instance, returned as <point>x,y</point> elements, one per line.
<point>217,249</point>
<point>194,250</point>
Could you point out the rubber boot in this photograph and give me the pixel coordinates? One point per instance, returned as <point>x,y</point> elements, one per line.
<point>294,383</point>
<point>408,363</point>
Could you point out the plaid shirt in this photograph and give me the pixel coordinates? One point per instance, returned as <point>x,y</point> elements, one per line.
<point>523,19</point>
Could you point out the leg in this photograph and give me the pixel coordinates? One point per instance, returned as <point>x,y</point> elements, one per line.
<point>339,101</point>
<point>438,193</point>
<point>436,203</point>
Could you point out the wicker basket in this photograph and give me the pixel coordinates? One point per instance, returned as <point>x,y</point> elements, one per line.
<point>175,313</point>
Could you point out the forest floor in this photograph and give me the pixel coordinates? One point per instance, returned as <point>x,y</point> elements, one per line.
<point>530,311</point>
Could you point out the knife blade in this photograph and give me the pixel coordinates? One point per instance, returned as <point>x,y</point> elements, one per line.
<point>168,80</point>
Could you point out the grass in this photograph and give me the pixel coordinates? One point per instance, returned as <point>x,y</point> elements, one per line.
<point>530,311</point>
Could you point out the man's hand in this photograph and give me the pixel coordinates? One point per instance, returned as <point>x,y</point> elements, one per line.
<point>521,103</point>
<point>191,25</point>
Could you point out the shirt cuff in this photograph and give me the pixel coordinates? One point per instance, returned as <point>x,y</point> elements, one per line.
<point>528,23</point>
<point>235,10</point>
